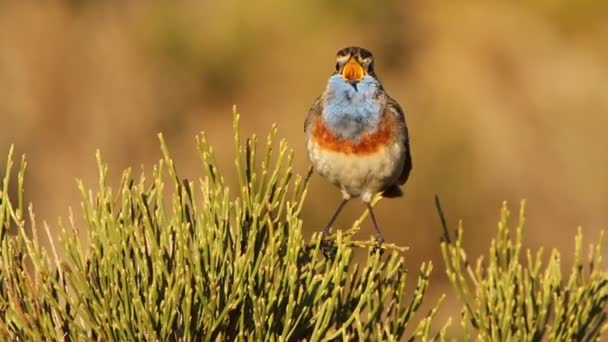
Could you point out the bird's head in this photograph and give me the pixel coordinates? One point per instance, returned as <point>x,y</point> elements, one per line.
<point>354,63</point>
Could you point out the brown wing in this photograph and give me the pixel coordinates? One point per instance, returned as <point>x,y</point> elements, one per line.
<point>395,108</point>
<point>315,110</point>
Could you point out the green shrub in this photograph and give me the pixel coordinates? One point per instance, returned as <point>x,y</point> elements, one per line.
<point>172,259</point>
<point>507,301</point>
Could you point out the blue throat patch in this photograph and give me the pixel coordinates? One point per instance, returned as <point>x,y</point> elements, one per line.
<point>350,112</point>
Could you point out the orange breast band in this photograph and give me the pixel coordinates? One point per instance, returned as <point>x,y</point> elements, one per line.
<point>368,144</point>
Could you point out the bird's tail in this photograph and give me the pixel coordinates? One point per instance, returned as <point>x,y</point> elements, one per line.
<point>392,191</point>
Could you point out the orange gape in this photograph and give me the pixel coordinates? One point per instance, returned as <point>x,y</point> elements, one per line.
<point>353,71</point>
<point>368,144</point>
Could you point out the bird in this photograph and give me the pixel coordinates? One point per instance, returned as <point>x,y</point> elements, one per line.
<point>357,136</point>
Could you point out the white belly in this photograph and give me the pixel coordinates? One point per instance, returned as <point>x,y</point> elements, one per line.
<point>359,175</point>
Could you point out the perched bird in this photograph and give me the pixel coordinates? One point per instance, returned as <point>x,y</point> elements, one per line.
<point>356,134</point>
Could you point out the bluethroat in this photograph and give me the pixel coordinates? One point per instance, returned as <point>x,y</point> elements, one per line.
<point>356,134</point>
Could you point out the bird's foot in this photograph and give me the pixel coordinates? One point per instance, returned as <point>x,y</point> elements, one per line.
<point>378,247</point>
<point>329,249</point>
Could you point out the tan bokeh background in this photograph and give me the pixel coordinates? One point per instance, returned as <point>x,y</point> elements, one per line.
<point>504,100</point>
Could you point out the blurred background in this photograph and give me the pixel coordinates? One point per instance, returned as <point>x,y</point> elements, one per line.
<point>504,101</point>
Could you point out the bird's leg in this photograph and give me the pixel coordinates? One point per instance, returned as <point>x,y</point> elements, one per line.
<point>379,237</point>
<point>334,217</point>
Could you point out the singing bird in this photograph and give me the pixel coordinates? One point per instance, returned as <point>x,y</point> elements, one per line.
<point>356,134</point>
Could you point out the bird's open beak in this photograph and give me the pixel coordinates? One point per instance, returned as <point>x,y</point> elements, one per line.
<point>353,71</point>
